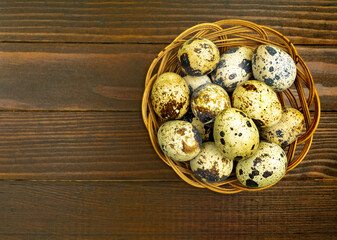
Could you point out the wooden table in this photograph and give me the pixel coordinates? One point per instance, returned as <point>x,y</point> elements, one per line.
<point>75,159</point>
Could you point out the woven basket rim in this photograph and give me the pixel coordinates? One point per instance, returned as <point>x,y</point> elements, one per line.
<point>239,33</point>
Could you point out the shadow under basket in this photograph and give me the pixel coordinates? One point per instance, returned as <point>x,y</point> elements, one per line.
<point>227,34</point>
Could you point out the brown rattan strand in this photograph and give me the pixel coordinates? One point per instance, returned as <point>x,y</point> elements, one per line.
<point>281,98</point>
<point>230,33</point>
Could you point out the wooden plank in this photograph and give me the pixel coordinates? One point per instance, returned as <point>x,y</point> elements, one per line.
<point>80,77</point>
<point>165,210</point>
<point>114,146</point>
<point>77,145</point>
<point>305,22</point>
<point>76,77</point>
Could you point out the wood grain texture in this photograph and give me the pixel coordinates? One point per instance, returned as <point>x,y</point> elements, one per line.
<point>165,210</point>
<point>81,77</point>
<point>304,21</point>
<point>76,77</point>
<point>114,146</point>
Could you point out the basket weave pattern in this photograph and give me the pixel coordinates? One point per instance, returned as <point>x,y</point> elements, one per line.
<point>226,34</point>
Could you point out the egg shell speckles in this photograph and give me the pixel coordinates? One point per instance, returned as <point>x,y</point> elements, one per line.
<point>235,134</point>
<point>194,82</point>
<point>170,96</point>
<point>287,130</point>
<point>264,168</point>
<point>273,66</point>
<point>208,101</point>
<point>198,56</point>
<point>179,140</point>
<point>210,165</point>
<point>205,130</point>
<point>235,67</point>
<point>259,101</point>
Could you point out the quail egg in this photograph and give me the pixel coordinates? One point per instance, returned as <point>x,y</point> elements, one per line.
<point>179,140</point>
<point>259,101</point>
<point>210,165</point>
<point>274,66</point>
<point>235,134</point>
<point>264,168</point>
<point>208,101</point>
<point>194,82</point>
<point>205,130</point>
<point>235,67</point>
<point>198,56</point>
<point>170,96</point>
<point>287,129</point>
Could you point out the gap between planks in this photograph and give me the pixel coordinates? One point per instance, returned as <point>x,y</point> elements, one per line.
<point>131,43</point>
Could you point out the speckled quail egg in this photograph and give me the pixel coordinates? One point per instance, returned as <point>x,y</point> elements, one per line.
<point>170,96</point>
<point>274,66</point>
<point>198,56</point>
<point>179,140</point>
<point>235,67</point>
<point>194,82</point>
<point>205,130</point>
<point>287,129</point>
<point>235,134</point>
<point>208,101</point>
<point>211,165</point>
<point>259,101</point>
<point>264,168</point>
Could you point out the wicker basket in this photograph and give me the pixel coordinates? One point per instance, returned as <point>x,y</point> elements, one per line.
<point>230,33</point>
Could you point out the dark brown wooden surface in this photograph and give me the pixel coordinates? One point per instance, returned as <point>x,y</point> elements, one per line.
<point>115,146</point>
<point>304,21</point>
<point>108,76</point>
<point>75,158</point>
<point>166,210</point>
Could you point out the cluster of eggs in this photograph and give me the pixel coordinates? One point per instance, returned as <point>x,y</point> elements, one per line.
<point>226,110</point>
